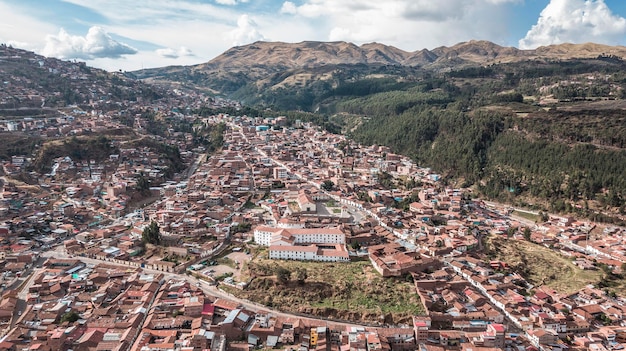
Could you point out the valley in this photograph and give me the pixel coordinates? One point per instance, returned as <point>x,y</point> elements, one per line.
<point>332,192</point>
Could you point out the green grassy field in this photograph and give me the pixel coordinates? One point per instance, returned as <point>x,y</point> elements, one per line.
<point>526,215</point>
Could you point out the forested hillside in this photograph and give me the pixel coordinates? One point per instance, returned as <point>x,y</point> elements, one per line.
<point>552,134</point>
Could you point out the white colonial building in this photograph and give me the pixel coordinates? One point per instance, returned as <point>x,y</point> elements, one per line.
<point>304,244</point>
<point>266,236</point>
<point>313,252</point>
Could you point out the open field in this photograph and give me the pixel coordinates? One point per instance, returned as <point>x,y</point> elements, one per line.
<point>541,265</point>
<point>527,215</point>
<point>228,262</point>
<point>346,291</point>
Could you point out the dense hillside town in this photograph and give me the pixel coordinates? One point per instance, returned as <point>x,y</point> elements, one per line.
<point>297,190</point>
<point>135,223</point>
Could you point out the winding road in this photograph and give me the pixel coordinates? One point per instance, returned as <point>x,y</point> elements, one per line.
<point>210,290</point>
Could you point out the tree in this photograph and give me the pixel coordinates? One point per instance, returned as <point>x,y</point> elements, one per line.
<point>143,183</point>
<point>511,231</point>
<point>283,275</point>
<point>241,227</point>
<point>386,180</point>
<point>527,233</point>
<point>301,275</point>
<point>152,234</point>
<point>604,319</point>
<point>328,185</point>
<point>70,317</point>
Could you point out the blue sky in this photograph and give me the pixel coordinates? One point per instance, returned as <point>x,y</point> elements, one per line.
<point>130,35</point>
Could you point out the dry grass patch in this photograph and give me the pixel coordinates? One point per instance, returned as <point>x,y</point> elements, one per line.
<point>541,265</point>
<point>346,291</point>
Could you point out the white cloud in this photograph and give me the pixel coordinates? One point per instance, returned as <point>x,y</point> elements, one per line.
<point>435,11</point>
<point>230,2</point>
<point>407,24</point>
<point>22,45</point>
<point>203,27</point>
<point>412,9</point>
<point>20,29</point>
<point>575,21</point>
<point>246,31</point>
<point>289,8</point>
<point>96,44</point>
<point>340,34</point>
<point>499,2</point>
<point>174,53</point>
<point>155,11</point>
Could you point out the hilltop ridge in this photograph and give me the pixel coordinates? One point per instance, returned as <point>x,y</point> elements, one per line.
<point>278,64</point>
<point>312,53</point>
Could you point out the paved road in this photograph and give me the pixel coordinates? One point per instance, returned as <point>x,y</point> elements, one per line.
<point>194,166</point>
<point>22,285</point>
<point>20,307</point>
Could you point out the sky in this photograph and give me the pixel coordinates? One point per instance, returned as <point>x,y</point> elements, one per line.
<point>134,34</point>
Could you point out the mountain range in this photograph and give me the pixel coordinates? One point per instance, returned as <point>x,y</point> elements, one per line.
<point>273,65</point>
<point>312,54</point>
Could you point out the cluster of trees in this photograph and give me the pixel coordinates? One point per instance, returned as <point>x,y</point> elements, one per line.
<point>152,234</point>
<point>79,149</point>
<point>541,69</point>
<point>561,156</point>
<point>450,140</point>
<point>211,136</point>
<point>17,144</point>
<point>154,125</point>
<point>573,91</point>
<point>392,103</point>
<point>169,153</point>
<point>70,317</point>
<point>241,227</point>
<point>483,147</point>
<point>206,111</point>
<point>328,185</point>
<point>599,127</point>
<point>284,275</point>
<point>368,86</point>
<point>143,183</point>
<point>555,170</point>
<point>386,180</point>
